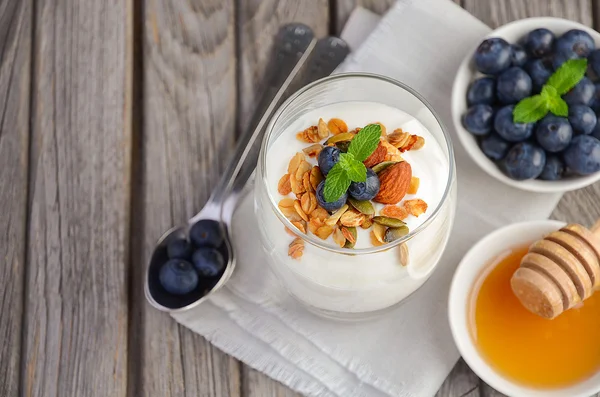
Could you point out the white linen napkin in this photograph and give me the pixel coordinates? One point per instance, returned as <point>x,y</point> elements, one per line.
<point>409,351</point>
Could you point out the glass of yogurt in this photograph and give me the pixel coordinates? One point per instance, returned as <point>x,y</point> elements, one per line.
<point>359,263</point>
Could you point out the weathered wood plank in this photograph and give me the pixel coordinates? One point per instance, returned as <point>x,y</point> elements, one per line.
<point>579,206</point>
<point>15,67</point>
<point>75,334</point>
<point>189,100</point>
<point>461,382</point>
<point>258,25</point>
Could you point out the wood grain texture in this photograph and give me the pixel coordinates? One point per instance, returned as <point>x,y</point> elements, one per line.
<point>343,9</point>
<point>461,382</point>
<point>75,334</point>
<point>580,206</point>
<point>189,99</point>
<point>258,23</point>
<point>15,68</point>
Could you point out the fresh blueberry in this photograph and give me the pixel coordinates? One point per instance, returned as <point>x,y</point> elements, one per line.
<point>331,207</point>
<point>493,56</point>
<point>524,161</point>
<point>560,57</point>
<point>365,190</point>
<point>581,94</point>
<point>208,262</point>
<point>518,55</point>
<point>478,119</point>
<point>513,85</point>
<point>494,147</point>
<point>554,133</point>
<point>540,71</point>
<point>508,129</point>
<point>594,64</point>
<point>539,42</point>
<point>576,42</point>
<point>328,157</point>
<point>179,249</point>
<point>206,233</point>
<point>582,119</point>
<point>595,105</point>
<point>596,132</point>
<point>553,169</point>
<point>178,277</point>
<point>583,155</point>
<point>482,92</point>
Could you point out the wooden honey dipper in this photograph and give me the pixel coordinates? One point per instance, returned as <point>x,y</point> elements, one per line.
<point>559,271</point>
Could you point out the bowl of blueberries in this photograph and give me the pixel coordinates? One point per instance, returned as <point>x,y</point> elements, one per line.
<point>526,104</point>
<point>188,264</point>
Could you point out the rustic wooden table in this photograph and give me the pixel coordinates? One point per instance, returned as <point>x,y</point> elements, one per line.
<point>116,119</point>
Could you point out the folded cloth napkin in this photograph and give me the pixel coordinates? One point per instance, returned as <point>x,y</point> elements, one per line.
<point>408,351</point>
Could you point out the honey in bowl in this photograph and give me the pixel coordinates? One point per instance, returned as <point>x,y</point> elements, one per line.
<point>526,348</point>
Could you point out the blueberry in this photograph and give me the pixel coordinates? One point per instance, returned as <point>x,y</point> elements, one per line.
<point>583,155</point>
<point>208,262</point>
<point>582,119</point>
<point>178,277</point>
<point>524,161</point>
<point>559,58</point>
<point>553,169</point>
<point>518,55</point>
<point>328,157</point>
<point>596,131</point>
<point>554,133</point>
<point>540,71</point>
<point>365,190</point>
<point>509,130</point>
<point>494,147</point>
<point>482,92</point>
<point>179,249</point>
<point>539,42</point>
<point>206,233</point>
<point>575,42</point>
<point>513,85</point>
<point>493,56</point>
<point>331,207</point>
<point>595,105</point>
<point>581,94</point>
<point>478,119</point>
<point>594,64</point>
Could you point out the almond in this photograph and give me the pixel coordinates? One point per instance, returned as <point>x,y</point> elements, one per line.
<point>376,157</point>
<point>394,183</point>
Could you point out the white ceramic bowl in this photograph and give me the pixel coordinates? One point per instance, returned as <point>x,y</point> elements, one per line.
<point>470,268</point>
<point>467,72</point>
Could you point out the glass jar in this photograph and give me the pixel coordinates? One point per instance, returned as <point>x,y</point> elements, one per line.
<point>353,282</point>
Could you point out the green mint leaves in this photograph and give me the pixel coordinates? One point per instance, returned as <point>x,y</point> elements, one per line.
<point>350,167</point>
<point>533,108</point>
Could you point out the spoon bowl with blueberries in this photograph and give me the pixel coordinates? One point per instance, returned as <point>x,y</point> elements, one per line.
<point>526,104</point>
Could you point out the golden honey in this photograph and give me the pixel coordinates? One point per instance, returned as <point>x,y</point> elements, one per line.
<point>523,347</point>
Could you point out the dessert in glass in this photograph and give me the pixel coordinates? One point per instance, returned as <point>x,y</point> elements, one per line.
<point>355,194</point>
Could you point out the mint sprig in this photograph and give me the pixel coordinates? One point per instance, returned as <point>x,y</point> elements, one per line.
<point>534,108</point>
<point>350,167</point>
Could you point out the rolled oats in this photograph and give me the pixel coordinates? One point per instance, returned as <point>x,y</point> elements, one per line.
<point>295,163</point>
<point>296,185</point>
<point>348,235</point>
<point>367,223</point>
<point>314,224</point>
<point>415,207</point>
<point>338,237</point>
<point>393,211</point>
<point>403,253</point>
<point>298,208</point>
<point>335,217</point>
<point>322,129</point>
<point>296,248</point>
<point>300,225</point>
<point>313,150</point>
<point>319,213</point>
<point>337,126</point>
<point>379,232</point>
<point>308,202</point>
<point>315,177</point>
<point>283,187</point>
<point>286,206</point>
<point>306,182</point>
<point>324,232</point>
<point>352,218</point>
<point>309,135</point>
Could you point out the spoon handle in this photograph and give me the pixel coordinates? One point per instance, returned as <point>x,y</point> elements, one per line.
<point>292,46</point>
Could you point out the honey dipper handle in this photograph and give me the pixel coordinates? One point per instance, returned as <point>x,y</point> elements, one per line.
<point>596,228</point>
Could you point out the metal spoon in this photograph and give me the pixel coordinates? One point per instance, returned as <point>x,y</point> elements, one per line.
<point>294,46</point>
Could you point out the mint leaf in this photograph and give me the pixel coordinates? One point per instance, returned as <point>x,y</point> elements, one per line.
<point>355,170</point>
<point>558,106</point>
<point>336,183</point>
<point>530,109</point>
<point>568,75</point>
<point>365,142</point>
<point>549,92</point>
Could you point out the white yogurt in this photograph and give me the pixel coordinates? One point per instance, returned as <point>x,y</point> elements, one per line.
<point>358,283</point>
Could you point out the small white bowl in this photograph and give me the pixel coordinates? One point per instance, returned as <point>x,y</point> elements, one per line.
<point>467,72</point>
<point>469,270</point>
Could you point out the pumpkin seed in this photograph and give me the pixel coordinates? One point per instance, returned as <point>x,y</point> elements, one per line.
<point>394,233</point>
<point>382,166</point>
<point>364,207</point>
<point>343,146</point>
<point>390,222</point>
<point>345,136</point>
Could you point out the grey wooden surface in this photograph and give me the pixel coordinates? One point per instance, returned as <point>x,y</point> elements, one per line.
<point>116,119</point>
